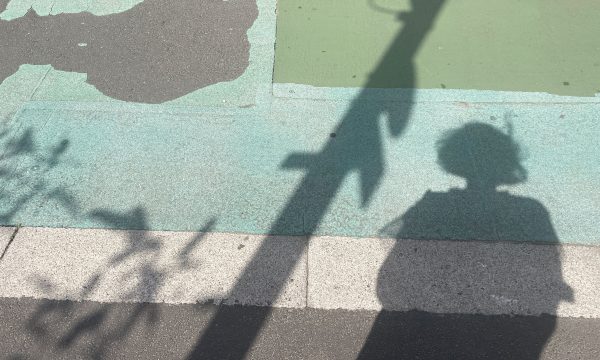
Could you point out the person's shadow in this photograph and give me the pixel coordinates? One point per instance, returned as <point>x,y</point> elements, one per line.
<point>521,279</point>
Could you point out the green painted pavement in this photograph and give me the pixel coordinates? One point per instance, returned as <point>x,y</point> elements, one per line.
<point>512,45</point>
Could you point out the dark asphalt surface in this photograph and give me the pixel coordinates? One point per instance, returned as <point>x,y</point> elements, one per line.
<point>151,53</point>
<point>42,329</point>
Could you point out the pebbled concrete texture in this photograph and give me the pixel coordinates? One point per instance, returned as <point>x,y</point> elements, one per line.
<point>166,164</point>
<point>453,277</point>
<point>139,266</point>
<point>183,167</point>
<point>329,272</point>
<point>6,233</point>
<point>182,48</point>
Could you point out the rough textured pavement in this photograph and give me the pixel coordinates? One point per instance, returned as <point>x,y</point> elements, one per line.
<point>351,172</point>
<point>150,53</point>
<point>41,329</point>
<point>327,272</point>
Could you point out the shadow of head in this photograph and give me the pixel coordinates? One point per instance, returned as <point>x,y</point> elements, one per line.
<point>487,158</point>
<point>482,154</point>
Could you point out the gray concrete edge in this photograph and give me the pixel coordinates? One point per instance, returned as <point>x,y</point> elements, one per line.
<point>329,272</point>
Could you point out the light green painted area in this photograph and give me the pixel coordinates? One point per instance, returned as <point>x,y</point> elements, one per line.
<point>18,8</point>
<point>511,45</point>
<point>19,88</point>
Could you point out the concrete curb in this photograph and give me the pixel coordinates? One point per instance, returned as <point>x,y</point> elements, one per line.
<point>333,273</point>
<point>461,277</point>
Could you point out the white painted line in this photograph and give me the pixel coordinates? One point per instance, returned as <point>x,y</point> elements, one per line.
<point>301,91</point>
<point>342,273</point>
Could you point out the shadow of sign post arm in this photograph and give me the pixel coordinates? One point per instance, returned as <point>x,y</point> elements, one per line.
<point>356,146</point>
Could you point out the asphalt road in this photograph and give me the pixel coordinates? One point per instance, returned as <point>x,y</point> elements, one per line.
<point>42,329</point>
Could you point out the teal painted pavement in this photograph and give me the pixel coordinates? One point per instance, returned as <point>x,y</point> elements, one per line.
<point>249,156</point>
<point>81,167</point>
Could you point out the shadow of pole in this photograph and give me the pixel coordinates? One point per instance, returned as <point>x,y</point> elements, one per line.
<point>355,145</point>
